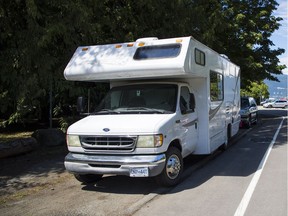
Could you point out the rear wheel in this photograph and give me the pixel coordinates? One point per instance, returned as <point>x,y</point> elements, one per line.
<point>87,178</point>
<point>228,137</point>
<point>173,169</point>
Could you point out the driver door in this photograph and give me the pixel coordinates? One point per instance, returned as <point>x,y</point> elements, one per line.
<point>188,121</point>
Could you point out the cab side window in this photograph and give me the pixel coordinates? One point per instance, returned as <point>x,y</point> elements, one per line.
<point>187,101</point>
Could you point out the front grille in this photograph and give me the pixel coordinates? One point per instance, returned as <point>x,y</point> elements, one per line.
<point>108,143</point>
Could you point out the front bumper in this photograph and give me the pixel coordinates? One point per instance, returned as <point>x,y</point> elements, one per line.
<point>113,164</point>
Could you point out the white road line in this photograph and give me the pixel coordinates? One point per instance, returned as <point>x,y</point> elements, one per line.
<point>248,194</point>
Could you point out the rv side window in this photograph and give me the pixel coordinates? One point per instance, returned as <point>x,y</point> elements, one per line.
<point>187,102</point>
<point>158,51</point>
<point>216,86</point>
<point>199,57</point>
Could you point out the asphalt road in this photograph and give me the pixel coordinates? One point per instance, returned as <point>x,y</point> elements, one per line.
<point>249,178</point>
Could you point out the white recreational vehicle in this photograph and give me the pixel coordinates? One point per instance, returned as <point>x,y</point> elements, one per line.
<point>169,98</point>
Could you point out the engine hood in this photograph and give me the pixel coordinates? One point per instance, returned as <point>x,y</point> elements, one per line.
<point>120,124</point>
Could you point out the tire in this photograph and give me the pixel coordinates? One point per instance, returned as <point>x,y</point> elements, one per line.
<point>173,169</point>
<point>256,120</point>
<point>87,178</point>
<point>249,123</point>
<point>228,137</point>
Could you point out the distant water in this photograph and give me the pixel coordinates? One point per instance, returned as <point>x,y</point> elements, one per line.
<point>278,89</point>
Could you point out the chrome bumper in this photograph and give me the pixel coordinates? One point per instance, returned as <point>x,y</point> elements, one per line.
<point>119,165</point>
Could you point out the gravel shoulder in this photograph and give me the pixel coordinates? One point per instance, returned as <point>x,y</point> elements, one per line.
<point>32,172</point>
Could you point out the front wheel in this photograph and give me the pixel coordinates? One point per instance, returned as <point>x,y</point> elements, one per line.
<point>249,123</point>
<point>87,178</point>
<point>173,169</point>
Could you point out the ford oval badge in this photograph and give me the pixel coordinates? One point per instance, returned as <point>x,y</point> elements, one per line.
<point>106,129</point>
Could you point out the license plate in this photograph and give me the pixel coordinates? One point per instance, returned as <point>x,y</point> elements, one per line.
<point>139,172</point>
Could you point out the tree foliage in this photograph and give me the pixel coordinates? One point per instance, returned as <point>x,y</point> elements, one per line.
<point>250,28</point>
<point>257,90</point>
<point>37,39</point>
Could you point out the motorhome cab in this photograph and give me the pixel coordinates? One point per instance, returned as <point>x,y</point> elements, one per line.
<point>169,98</point>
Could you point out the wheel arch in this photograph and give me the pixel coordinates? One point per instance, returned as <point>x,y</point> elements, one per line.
<point>177,144</point>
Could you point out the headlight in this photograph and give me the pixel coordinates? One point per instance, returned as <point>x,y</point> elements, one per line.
<point>73,141</point>
<point>150,141</point>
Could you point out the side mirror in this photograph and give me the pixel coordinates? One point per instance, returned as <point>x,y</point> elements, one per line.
<point>81,104</point>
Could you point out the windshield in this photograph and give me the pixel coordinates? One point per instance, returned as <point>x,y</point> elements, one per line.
<point>148,98</point>
<point>244,103</point>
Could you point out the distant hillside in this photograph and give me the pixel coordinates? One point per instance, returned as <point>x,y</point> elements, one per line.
<point>278,89</point>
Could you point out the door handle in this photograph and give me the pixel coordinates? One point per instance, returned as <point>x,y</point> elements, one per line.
<point>180,121</point>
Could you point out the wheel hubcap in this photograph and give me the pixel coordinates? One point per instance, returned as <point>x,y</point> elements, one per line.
<point>173,167</point>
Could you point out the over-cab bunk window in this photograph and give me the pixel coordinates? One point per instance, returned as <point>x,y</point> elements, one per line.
<point>199,57</point>
<point>157,51</point>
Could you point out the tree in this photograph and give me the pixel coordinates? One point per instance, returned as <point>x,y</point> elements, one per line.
<point>242,31</point>
<point>250,26</point>
<point>37,39</point>
<point>257,90</point>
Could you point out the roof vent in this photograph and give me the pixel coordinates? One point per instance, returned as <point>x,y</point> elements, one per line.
<point>146,39</point>
<point>224,56</point>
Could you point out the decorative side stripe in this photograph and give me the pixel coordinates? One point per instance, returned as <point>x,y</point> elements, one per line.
<point>212,112</point>
<point>189,124</point>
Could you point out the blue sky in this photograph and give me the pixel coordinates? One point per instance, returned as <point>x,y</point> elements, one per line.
<point>280,37</point>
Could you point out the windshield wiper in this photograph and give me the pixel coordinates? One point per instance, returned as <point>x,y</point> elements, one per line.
<point>131,110</point>
<point>146,109</point>
<point>106,111</point>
